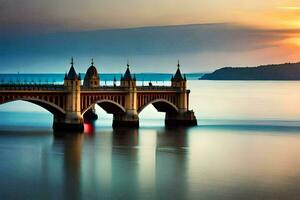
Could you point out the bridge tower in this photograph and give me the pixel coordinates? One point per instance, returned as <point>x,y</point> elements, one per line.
<point>184,117</point>
<point>72,119</point>
<point>91,81</point>
<point>130,117</point>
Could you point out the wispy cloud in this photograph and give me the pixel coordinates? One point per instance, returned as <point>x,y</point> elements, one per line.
<point>289,7</point>
<point>203,44</point>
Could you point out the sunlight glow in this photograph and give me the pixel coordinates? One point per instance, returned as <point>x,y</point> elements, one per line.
<point>294,23</point>
<point>289,7</point>
<point>294,41</point>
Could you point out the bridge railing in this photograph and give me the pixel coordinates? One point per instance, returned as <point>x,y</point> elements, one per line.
<point>102,88</point>
<point>118,88</point>
<point>51,87</point>
<point>156,88</point>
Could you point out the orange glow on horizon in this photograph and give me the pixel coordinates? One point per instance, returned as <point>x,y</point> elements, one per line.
<point>290,7</point>
<point>294,41</point>
<point>288,48</point>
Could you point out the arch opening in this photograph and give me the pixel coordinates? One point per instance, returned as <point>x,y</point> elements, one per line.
<point>153,114</point>
<point>108,106</point>
<point>161,105</point>
<point>104,119</point>
<point>103,110</point>
<point>50,107</point>
<point>111,107</point>
<point>25,114</point>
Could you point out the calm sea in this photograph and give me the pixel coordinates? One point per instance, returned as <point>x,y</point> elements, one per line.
<point>247,146</point>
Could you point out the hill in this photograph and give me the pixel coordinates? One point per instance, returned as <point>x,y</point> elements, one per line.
<point>287,71</point>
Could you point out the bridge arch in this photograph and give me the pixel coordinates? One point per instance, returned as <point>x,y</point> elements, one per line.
<point>161,105</point>
<point>111,107</point>
<point>51,107</point>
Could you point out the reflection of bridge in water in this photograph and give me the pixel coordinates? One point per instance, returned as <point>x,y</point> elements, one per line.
<point>73,102</point>
<point>101,166</point>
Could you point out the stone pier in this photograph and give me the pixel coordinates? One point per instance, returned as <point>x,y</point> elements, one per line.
<point>70,123</point>
<point>184,119</point>
<point>126,120</point>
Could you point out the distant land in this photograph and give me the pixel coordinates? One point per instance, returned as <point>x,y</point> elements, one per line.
<point>287,71</point>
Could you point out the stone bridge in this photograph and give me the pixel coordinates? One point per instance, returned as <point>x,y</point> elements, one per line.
<point>72,102</point>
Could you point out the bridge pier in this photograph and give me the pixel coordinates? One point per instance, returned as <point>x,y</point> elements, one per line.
<point>181,119</point>
<point>69,122</point>
<point>126,120</point>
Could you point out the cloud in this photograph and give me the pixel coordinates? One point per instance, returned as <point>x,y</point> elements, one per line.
<point>145,41</point>
<point>200,43</point>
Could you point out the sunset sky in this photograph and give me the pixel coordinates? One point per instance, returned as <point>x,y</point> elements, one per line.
<point>278,18</point>
<point>60,15</point>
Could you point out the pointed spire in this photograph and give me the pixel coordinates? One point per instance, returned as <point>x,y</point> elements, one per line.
<point>127,75</point>
<point>72,75</point>
<point>72,62</point>
<point>92,62</point>
<point>178,76</point>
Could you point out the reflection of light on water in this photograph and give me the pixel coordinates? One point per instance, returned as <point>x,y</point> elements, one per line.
<point>225,158</point>
<point>147,159</point>
<point>97,164</point>
<point>89,128</point>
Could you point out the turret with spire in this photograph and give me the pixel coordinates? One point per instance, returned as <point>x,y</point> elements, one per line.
<point>91,79</point>
<point>127,80</point>
<point>177,80</point>
<point>71,78</point>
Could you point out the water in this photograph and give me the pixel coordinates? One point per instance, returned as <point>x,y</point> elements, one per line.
<point>247,146</point>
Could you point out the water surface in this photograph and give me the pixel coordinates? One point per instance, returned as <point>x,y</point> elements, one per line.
<point>247,146</point>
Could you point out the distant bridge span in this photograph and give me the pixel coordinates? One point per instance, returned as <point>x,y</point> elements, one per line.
<point>73,102</point>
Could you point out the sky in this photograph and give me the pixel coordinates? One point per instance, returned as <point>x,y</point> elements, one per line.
<point>262,32</point>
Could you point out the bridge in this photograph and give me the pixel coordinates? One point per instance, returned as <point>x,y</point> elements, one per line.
<point>71,103</point>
